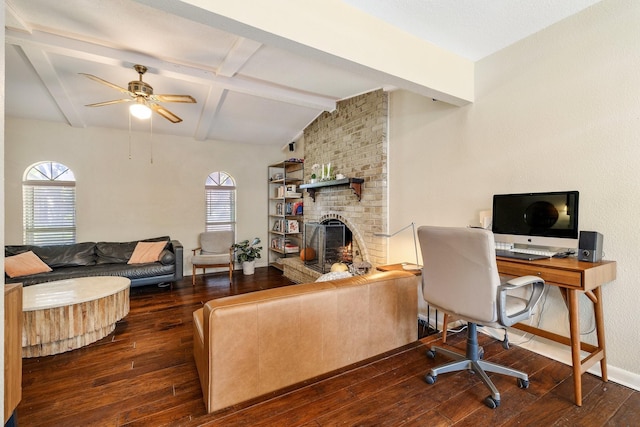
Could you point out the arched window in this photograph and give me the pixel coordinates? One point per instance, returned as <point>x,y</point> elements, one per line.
<point>220,194</point>
<point>49,205</point>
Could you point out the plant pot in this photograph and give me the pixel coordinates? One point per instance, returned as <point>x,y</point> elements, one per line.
<point>248,267</point>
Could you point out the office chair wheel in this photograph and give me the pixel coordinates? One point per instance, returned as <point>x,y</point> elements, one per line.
<point>491,402</point>
<point>430,379</point>
<point>431,354</point>
<point>523,383</point>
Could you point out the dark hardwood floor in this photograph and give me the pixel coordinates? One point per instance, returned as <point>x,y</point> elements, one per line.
<point>143,374</point>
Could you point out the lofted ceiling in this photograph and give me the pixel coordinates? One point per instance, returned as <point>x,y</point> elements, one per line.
<point>260,71</point>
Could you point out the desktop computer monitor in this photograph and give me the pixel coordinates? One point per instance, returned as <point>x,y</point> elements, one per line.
<point>537,219</point>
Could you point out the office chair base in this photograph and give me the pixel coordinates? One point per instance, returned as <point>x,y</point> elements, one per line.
<point>479,367</point>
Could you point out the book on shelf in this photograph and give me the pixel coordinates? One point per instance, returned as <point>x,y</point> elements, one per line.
<point>289,208</point>
<point>286,226</point>
<point>276,243</point>
<point>291,248</point>
<point>284,245</point>
<point>293,226</point>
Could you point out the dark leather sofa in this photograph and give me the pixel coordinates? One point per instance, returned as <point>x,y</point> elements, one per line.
<point>102,259</point>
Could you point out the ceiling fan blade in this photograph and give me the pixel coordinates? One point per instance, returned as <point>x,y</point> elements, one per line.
<point>165,113</point>
<point>173,98</point>
<point>115,101</point>
<point>106,83</point>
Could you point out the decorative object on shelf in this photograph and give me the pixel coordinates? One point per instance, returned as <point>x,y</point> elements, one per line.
<point>405,266</point>
<point>339,176</point>
<point>326,172</point>
<point>290,191</point>
<point>314,169</point>
<point>247,253</point>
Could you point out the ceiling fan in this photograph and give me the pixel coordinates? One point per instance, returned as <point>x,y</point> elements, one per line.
<point>142,94</point>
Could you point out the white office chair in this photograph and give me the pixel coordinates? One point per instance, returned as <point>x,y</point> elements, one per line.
<point>215,250</point>
<point>460,277</point>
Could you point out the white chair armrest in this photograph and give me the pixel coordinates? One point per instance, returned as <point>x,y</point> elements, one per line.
<point>515,283</point>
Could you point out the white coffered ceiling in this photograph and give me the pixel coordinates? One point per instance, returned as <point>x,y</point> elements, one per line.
<point>253,83</point>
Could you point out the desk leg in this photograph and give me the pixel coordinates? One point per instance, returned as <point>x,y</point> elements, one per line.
<point>574,328</point>
<point>597,309</point>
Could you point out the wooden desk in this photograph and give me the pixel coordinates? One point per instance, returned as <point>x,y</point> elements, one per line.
<point>400,267</point>
<point>572,277</point>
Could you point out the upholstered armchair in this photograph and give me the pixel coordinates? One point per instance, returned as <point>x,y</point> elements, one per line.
<point>214,251</point>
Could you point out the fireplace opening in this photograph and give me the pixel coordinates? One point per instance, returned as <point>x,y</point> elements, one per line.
<point>326,243</point>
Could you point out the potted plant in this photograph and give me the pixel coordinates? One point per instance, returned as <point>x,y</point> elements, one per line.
<point>247,253</point>
<point>314,169</point>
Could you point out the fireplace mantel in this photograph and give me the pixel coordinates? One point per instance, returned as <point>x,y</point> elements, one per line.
<point>354,183</point>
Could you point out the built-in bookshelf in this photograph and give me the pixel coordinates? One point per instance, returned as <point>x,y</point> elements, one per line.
<point>285,210</point>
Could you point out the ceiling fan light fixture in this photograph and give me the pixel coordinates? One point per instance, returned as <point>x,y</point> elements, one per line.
<point>141,94</point>
<point>140,110</point>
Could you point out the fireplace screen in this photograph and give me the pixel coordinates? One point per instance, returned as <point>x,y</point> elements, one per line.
<point>326,243</point>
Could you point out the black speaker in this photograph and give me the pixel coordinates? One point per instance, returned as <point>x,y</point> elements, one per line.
<point>590,246</point>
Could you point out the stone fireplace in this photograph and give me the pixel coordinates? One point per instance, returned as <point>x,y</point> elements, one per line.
<point>353,138</point>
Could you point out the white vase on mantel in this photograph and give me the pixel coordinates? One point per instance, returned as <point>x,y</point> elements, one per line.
<point>248,267</point>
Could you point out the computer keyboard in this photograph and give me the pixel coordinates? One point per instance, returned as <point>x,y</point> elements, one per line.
<point>543,252</point>
<point>509,253</point>
<point>522,253</point>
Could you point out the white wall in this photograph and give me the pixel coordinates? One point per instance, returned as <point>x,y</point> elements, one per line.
<point>557,111</point>
<point>121,198</point>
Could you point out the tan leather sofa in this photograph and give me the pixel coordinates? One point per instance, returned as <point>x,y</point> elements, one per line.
<point>252,344</point>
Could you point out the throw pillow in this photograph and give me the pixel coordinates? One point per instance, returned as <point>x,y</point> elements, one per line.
<point>147,252</point>
<point>334,275</point>
<point>167,257</point>
<point>24,264</point>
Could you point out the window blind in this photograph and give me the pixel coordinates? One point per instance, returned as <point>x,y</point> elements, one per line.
<point>220,208</point>
<point>49,214</point>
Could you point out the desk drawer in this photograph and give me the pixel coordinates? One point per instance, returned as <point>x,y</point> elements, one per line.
<point>556,276</point>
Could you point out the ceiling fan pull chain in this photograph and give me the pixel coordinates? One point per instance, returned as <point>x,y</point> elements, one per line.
<point>151,134</point>
<point>129,115</point>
